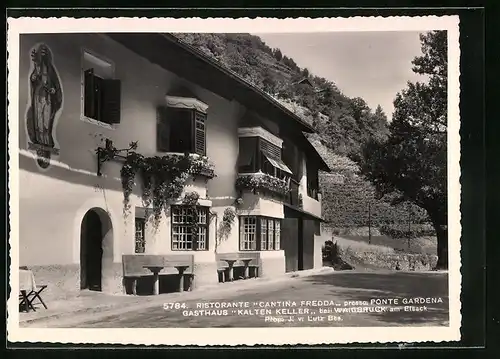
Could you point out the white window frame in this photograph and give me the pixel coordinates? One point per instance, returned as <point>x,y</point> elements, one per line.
<point>100,62</point>
<point>253,236</point>
<point>181,237</point>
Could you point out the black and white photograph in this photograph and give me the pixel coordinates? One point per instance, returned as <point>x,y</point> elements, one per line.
<point>200,180</point>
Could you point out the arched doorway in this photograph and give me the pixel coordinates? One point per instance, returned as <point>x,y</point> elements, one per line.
<point>95,232</point>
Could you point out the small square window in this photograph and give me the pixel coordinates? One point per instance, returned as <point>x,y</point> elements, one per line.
<point>140,235</point>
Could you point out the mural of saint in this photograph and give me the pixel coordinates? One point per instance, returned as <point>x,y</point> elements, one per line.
<point>46,100</point>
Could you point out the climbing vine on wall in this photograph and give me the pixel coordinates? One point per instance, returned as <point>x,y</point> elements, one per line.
<point>262,182</point>
<point>162,177</point>
<point>191,203</point>
<point>227,223</point>
<point>224,228</point>
<point>353,203</point>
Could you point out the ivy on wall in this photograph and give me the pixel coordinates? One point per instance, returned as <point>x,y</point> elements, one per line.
<point>163,178</point>
<point>353,203</point>
<point>262,182</point>
<point>224,228</point>
<point>227,222</point>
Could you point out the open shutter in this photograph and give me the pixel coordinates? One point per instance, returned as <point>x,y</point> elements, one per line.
<point>111,101</point>
<point>269,149</point>
<point>162,130</point>
<point>199,134</point>
<point>88,94</point>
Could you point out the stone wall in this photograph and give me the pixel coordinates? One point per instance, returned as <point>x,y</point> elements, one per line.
<point>272,267</point>
<point>391,261</point>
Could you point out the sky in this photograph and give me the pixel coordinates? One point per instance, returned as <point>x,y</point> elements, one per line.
<point>372,65</point>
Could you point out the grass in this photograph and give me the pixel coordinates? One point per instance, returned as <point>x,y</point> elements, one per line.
<point>423,245</point>
<point>361,246</point>
<point>363,255</point>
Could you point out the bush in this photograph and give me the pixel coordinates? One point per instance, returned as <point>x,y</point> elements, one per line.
<point>330,251</point>
<point>402,231</point>
<point>331,254</point>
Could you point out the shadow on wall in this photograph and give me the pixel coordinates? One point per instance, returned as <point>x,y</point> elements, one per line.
<point>332,257</point>
<point>222,186</point>
<point>96,250</point>
<point>367,286</point>
<point>27,163</point>
<point>169,283</point>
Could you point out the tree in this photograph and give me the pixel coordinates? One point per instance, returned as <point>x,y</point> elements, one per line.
<point>380,114</point>
<point>277,54</point>
<point>379,124</point>
<point>411,162</point>
<point>268,82</point>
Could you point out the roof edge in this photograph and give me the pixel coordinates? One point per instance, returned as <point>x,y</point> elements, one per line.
<point>238,78</point>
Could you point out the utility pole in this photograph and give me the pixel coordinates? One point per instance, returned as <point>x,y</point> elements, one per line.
<point>369,223</point>
<point>409,225</point>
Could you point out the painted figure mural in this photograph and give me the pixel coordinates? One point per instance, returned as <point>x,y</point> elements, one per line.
<point>46,99</point>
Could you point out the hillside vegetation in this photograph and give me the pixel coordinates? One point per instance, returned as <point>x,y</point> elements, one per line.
<point>343,124</point>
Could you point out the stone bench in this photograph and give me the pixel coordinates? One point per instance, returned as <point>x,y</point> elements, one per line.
<point>137,266</point>
<point>229,261</point>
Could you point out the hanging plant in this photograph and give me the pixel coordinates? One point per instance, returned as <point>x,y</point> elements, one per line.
<point>163,178</point>
<point>238,201</point>
<point>191,203</point>
<point>128,173</point>
<point>226,224</point>
<point>262,182</point>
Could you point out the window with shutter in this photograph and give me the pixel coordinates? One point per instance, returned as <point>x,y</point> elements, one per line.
<point>101,93</point>
<point>258,154</point>
<point>111,101</point>
<point>247,156</point>
<point>199,133</point>
<point>89,94</point>
<point>162,130</point>
<point>269,149</point>
<point>181,130</point>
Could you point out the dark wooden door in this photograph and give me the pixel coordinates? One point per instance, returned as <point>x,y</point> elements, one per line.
<point>93,259</point>
<point>307,239</point>
<point>289,243</point>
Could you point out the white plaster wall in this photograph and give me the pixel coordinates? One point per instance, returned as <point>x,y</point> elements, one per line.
<point>319,241</point>
<point>256,205</point>
<point>309,204</point>
<point>229,244</point>
<point>53,202</point>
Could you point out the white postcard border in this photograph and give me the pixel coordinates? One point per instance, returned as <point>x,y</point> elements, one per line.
<point>241,336</point>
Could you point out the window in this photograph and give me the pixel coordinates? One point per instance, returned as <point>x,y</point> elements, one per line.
<point>185,235</point>
<point>277,235</point>
<point>317,228</point>
<point>259,233</point>
<point>140,237</point>
<point>101,93</point>
<point>181,130</point>
<point>257,154</point>
<point>293,158</point>
<point>312,181</point>
<point>263,234</point>
<point>248,234</point>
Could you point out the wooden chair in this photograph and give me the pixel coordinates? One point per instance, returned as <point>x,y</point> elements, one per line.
<point>26,299</point>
